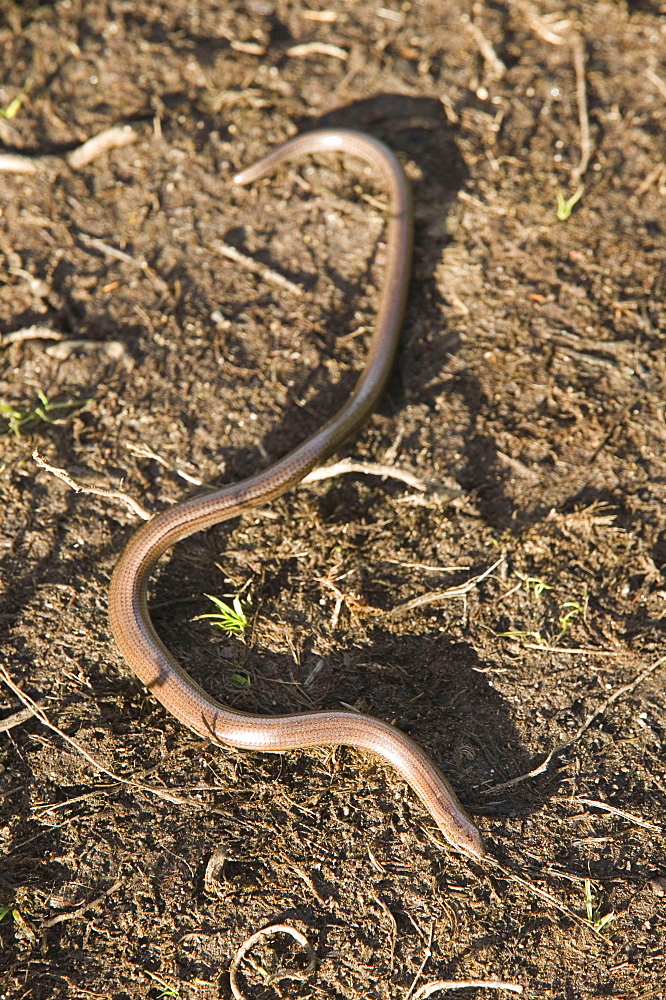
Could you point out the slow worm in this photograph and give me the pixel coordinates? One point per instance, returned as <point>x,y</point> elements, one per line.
<point>128,608</point>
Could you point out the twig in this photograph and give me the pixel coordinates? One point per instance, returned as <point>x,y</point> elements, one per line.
<point>80,910</point>
<point>328,472</point>
<point>251,48</point>
<point>110,251</point>
<point>545,896</point>
<point>555,32</point>
<point>463,984</point>
<point>443,595</point>
<point>267,273</point>
<point>496,68</point>
<point>145,452</point>
<point>12,163</point>
<point>16,719</point>
<point>44,719</point>
<point>367,468</point>
<point>303,875</point>
<point>630,817</point>
<point>427,568</point>
<point>30,333</point>
<point>627,689</point>
<point>486,207</point>
<point>317,49</point>
<point>51,807</point>
<point>581,650</point>
<point>98,491</point>
<point>658,174</point>
<point>426,955</point>
<point>323,16</point>
<point>110,138</point>
<point>581,96</point>
<point>549,27</point>
<point>286,973</point>
<point>113,349</point>
<point>656,81</point>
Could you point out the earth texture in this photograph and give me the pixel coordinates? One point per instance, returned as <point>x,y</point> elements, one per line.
<point>498,592</point>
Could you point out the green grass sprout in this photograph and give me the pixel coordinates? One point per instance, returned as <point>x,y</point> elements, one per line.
<point>228,617</point>
<point>20,922</point>
<point>14,106</point>
<point>565,620</point>
<point>565,205</point>
<point>534,585</point>
<point>46,411</point>
<point>244,680</point>
<point>518,634</point>
<point>593,906</point>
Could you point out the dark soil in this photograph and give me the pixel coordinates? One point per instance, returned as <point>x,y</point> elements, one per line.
<point>528,394</point>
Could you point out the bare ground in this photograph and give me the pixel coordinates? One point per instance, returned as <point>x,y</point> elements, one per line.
<point>528,396</point>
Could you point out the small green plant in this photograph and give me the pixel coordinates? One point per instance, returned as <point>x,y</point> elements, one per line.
<point>20,922</point>
<point>230,618</point>
<point>534,585</point>
<point>565,205</point>
<point>166,989</point>
<point>47,412</point>
<point>244,680</point>
<point>593,907</point>
<point>575,609</point>
<point>518,634</point>
<point>14,106</point>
